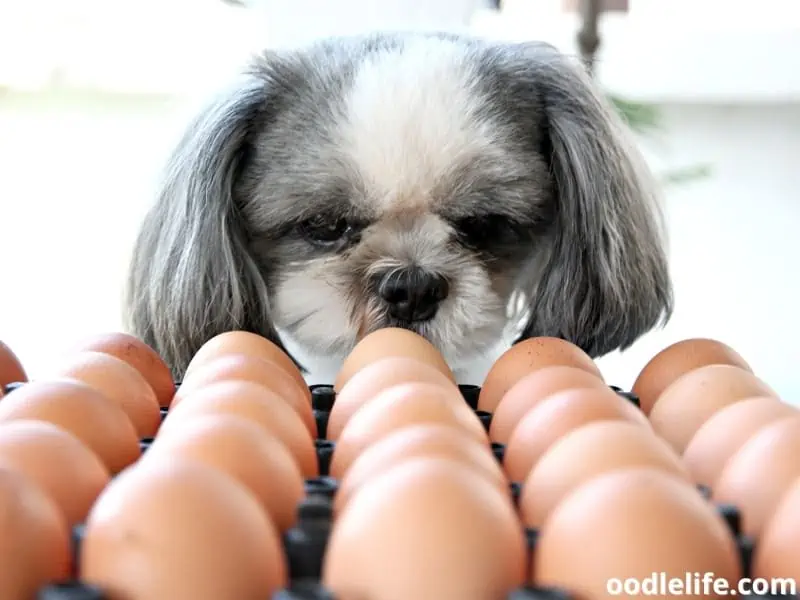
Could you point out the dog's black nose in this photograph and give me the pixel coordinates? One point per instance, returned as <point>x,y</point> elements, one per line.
<point>413,294</point>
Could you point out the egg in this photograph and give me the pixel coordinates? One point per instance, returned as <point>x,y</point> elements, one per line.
<point>387,342</point>
<point>119,382</point>
<point>776,553</point>
<point>415,441</point>
<point>640,525</point>
<point>678,359</point>
<point>11,369</point>
<point>532,389</point>
<point>557,415</point>
<point>524,358</point>
<point>252,344</point>
<point>57,462</point>
<point>473,544</point>
<point>138,355</point>
<point>589,451</point>
<point>243,450</point>
<point>180,529</point>
<point>244,367</point>
<point>400,406</point>
<point>255,402</point>
<point>83,411</point>
<point>34,539</point>
<point>726,431</point>
<point>376,377</point>
<point>692,399</point>
<point>757,475</point>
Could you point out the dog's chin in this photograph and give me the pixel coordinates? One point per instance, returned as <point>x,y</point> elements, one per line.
<point>468,351</point>
<point>464,345</point>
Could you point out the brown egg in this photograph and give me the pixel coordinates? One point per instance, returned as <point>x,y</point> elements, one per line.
<point>640,525</point>
<point>755,478</point>
<point>417,441</point>
<point>34,539</point>
<point>557,415</point>
<point>245,342</point>
<point>180,529</point>
<point>11,370</point>
<point>244,367</point>
<point>532,389</point>
<point>526,357</point>
<point>776,553</point>
<point>57,462</point>
<point>678,359</point>
<point>254,402</point>
<point>138,355</point>
<point>473,544</point>
<point>119,382</point>
<point>83,411</point>
<point>376,377</point>
<point>693,398</point>
<point>726,431</point>
<point>387,342</point>
<point>242,449</point>
<point>589,451</point>
<point>400,406</point>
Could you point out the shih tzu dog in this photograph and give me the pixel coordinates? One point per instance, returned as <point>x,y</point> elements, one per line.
<point>457,187</point>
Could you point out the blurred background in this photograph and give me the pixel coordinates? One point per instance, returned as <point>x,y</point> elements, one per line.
<point>93,94</point>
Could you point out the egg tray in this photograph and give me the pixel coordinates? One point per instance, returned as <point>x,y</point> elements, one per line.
<point>305,543</point>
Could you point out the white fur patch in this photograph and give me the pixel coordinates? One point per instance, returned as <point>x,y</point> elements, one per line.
<point>313,307</point>
<point>410,116</point>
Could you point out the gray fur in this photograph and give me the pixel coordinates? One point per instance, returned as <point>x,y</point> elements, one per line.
<point>515,131</point>
<point>606,280</point>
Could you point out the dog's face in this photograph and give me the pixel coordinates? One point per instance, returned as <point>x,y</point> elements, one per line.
<point>399,189</point>
<point>420,181</point>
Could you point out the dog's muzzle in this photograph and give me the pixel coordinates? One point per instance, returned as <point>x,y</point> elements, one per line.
<point>411,294</point>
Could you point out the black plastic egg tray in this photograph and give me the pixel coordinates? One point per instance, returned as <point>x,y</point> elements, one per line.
<point>305,543</point>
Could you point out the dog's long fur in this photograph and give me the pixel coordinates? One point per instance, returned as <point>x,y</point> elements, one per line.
<point>498,166</point>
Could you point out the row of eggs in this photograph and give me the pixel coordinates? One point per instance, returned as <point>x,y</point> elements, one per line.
<point>397,406</point>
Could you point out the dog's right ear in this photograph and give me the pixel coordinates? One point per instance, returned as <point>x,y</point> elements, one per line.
<point>191,274</point>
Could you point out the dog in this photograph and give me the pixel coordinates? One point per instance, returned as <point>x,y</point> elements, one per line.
<point>465,189</point>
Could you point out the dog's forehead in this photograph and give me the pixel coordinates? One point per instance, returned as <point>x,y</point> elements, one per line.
<point>413,116</point>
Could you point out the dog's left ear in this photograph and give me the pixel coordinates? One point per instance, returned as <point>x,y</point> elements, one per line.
<point>605,281</point>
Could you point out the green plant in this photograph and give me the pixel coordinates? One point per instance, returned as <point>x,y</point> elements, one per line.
<point>645,119</point>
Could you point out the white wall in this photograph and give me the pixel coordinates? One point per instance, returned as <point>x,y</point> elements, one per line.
<point>76,179</point>
<point>77,173</point>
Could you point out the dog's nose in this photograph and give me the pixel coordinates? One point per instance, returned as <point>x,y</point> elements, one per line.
<point>413,294</point>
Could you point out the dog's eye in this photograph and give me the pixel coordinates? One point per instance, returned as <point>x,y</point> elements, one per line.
<point>484,230</point>
<point>324,229</point>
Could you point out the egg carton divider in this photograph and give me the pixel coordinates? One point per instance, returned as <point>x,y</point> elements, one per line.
<point>71,590</point>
